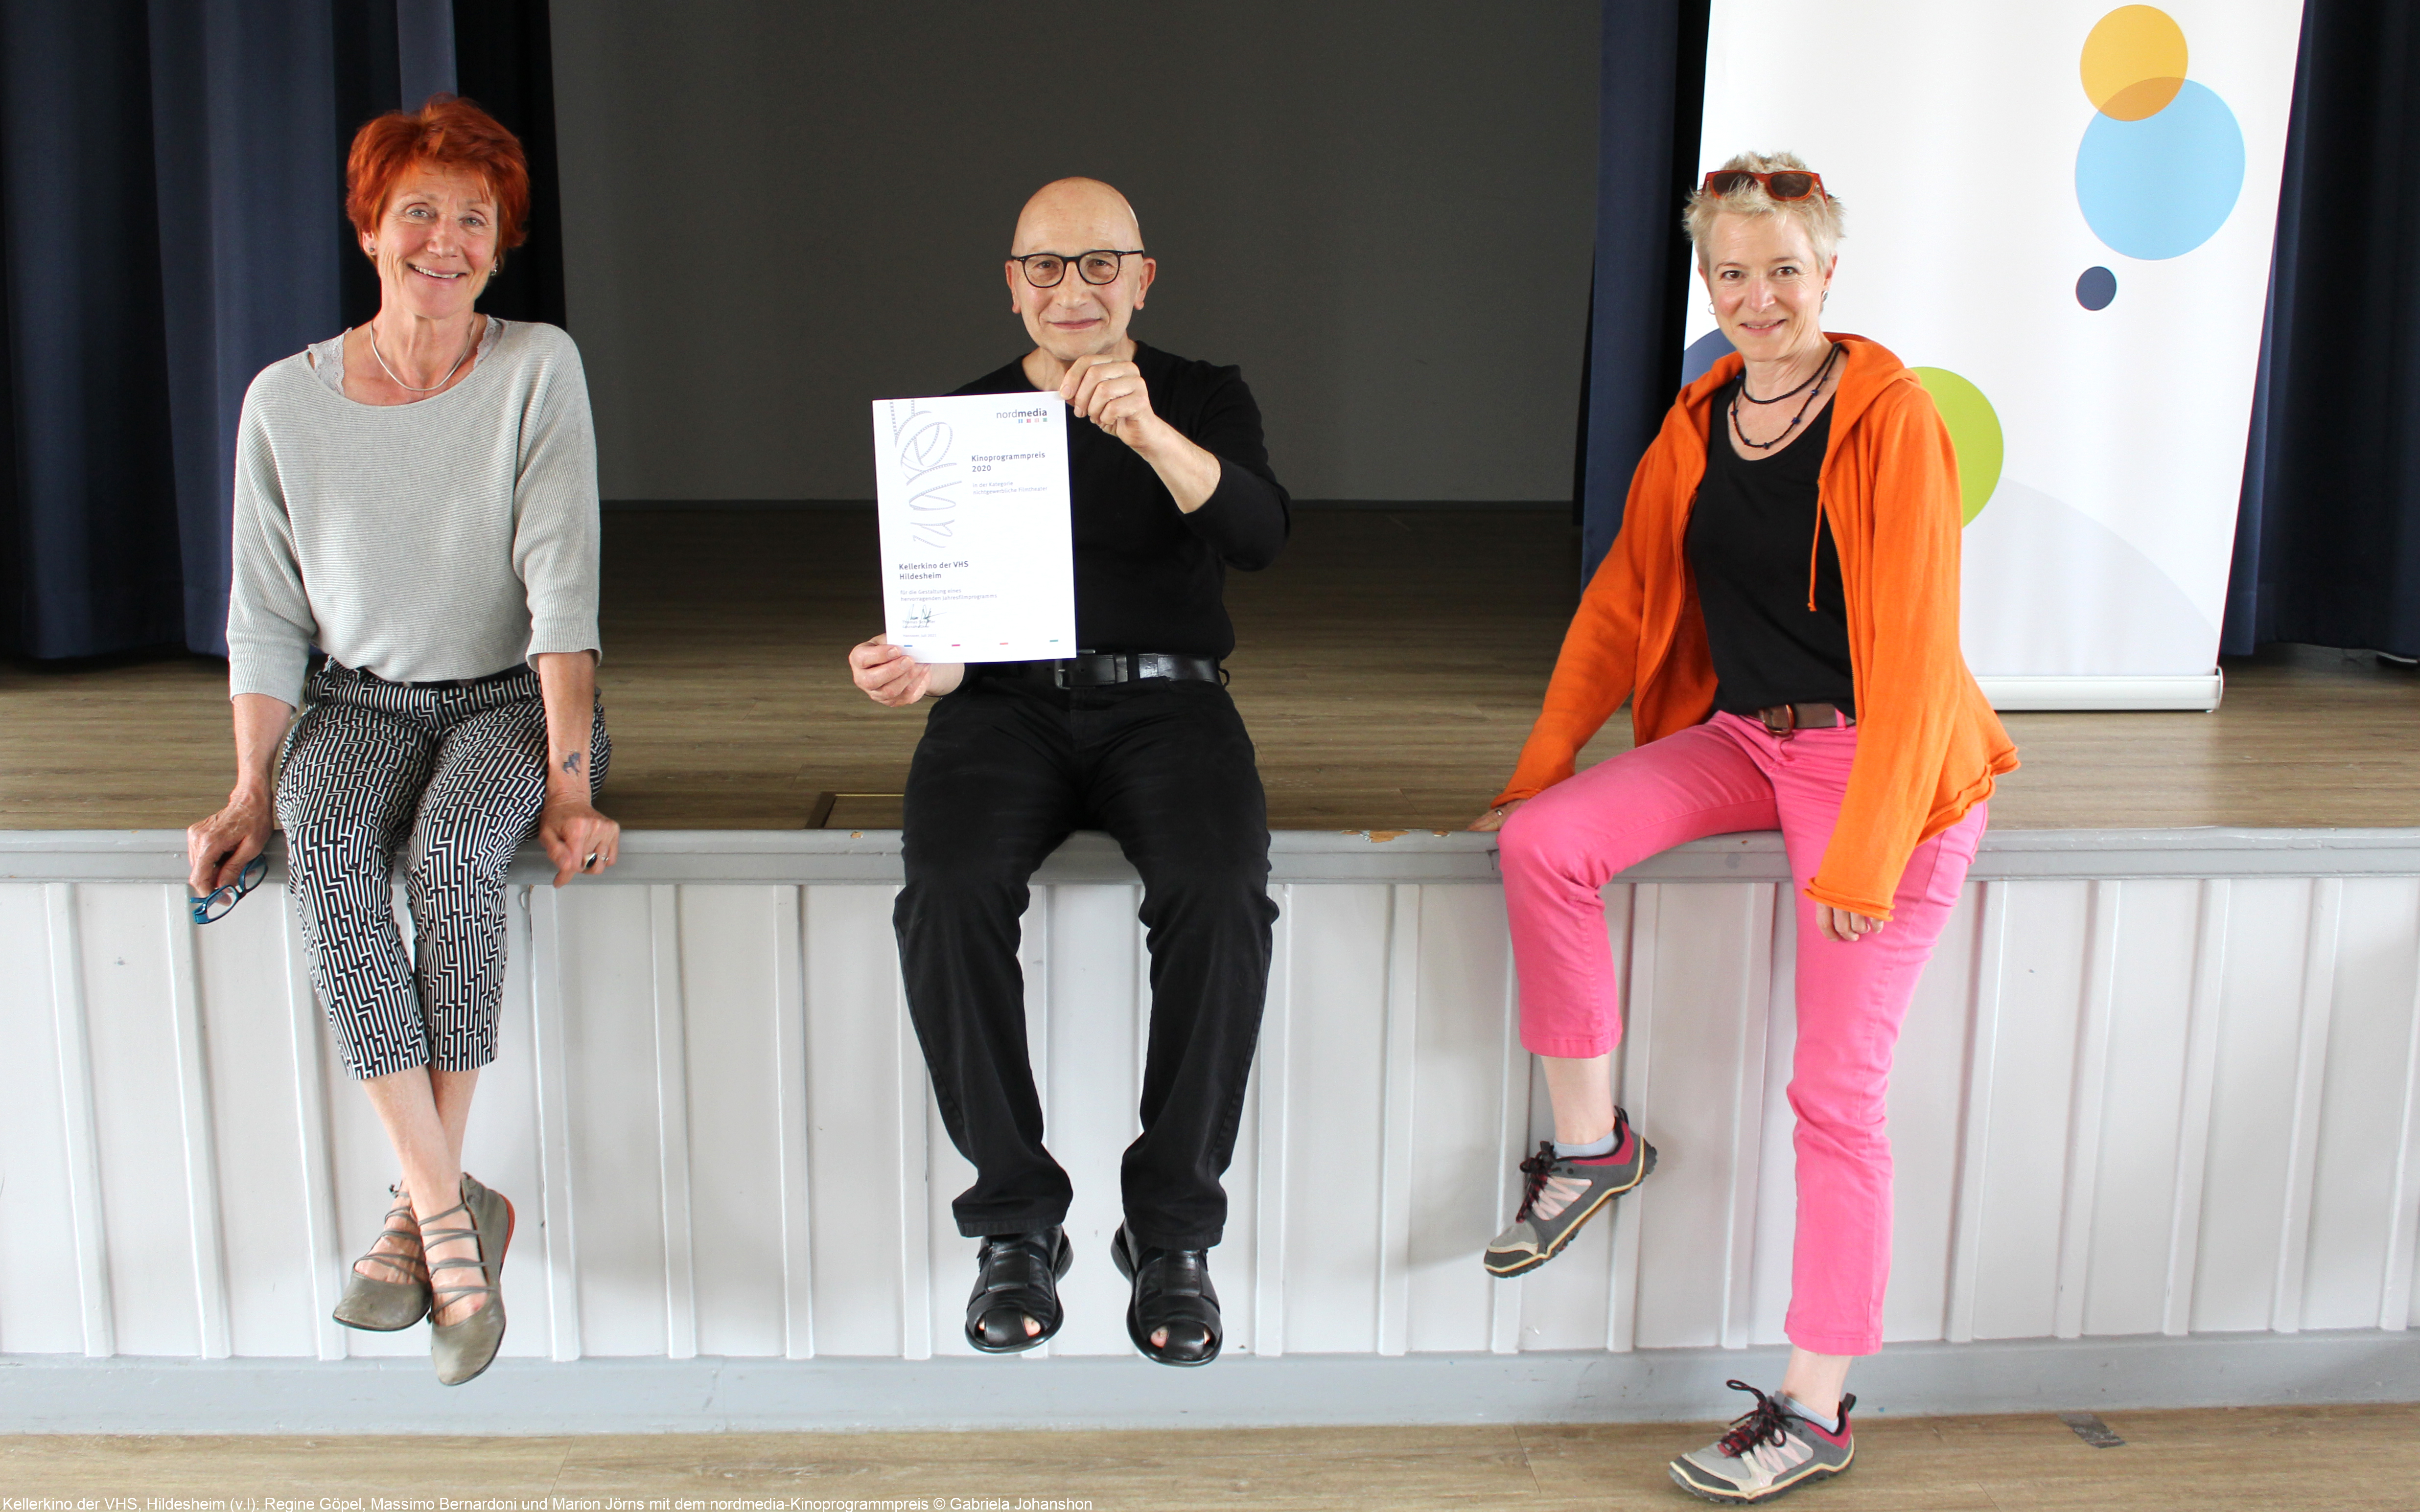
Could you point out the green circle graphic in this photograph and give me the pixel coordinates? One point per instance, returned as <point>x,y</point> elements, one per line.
<point>1974,434</point>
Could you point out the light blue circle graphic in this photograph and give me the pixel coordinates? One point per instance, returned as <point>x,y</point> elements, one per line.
<point>2164,185</point>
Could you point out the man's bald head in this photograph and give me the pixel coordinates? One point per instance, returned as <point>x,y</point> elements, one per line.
<point>1063,213</point>
<point>1074,318</point>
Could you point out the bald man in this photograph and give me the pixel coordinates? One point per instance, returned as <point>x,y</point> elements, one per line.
<point>1170,487</point>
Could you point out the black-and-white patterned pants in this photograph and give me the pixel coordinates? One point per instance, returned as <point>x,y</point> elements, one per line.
<point>451,773</point>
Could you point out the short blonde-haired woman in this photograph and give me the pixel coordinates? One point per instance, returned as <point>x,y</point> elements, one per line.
<point>1782,609</point>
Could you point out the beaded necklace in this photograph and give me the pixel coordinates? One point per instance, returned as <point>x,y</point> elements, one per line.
<point>1814,386</point>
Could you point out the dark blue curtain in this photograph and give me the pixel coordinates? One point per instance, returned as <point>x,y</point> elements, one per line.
<point>1651,99</point>
<point>2327,542</point>
<point>171,221</point>
<point>92,514</point>
<point>504,60</point>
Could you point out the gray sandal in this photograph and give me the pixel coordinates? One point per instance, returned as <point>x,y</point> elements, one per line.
<point>384,1306</point>
<point>461,1351</point>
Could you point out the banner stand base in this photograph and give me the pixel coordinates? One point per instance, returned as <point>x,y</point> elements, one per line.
<point>2035,694</point>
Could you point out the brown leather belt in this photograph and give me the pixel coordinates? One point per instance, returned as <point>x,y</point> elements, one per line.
<point>1783,718</point>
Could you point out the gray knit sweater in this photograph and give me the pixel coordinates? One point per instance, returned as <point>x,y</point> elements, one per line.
<point>446,538</point>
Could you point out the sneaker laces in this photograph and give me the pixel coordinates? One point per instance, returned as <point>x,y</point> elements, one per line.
<point>1760,1423</point>
<point>1539,1169</point>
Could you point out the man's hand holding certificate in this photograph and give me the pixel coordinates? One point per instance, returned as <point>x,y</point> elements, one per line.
<point>978,564</point>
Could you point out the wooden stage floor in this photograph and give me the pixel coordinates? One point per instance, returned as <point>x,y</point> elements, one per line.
<point>1388,666</point>
<point>2244,1458</point>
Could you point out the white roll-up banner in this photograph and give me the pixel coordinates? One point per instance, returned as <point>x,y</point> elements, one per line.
<point>2061,215</point>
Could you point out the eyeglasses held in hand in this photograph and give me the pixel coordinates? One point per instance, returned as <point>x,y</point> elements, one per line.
<point>1790,183</point>
<point>219,904</point>
<point>1044,270</point>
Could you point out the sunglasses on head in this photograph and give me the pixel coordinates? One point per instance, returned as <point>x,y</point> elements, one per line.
<point>1788,183</point>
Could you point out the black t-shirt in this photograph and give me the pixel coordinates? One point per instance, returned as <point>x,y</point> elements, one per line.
<point>1148,576</point>
<point>1748,540</point>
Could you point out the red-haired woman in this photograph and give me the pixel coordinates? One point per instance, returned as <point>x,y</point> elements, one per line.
<point>417,497</point>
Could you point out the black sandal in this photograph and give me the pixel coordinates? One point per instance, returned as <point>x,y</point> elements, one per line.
<point>1017,1278</point>
<point>1172,1290</point>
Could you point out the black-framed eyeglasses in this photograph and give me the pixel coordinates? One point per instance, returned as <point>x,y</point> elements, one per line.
<point>219,904</point>
<point>1046,269</point>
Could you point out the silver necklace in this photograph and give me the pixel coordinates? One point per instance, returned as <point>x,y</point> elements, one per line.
<point>433,387</point>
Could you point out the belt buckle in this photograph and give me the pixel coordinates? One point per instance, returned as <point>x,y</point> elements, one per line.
<point>1789,719</point>
<point>1059,673</point>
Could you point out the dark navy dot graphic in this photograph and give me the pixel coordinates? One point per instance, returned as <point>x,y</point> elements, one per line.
<point>2096,288</point>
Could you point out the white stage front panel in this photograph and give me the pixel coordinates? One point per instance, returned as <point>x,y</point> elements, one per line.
<point>2128,1105</point>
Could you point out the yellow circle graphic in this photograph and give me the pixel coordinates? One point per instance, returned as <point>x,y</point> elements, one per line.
<point>2133,62</point>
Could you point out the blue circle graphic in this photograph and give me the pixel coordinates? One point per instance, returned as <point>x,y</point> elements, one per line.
<point>1704,354</point>
<point>2096,288</point>
<point>2164,185</point>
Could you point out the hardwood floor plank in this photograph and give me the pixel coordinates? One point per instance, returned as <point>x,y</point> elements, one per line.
<point>1895,1468</point>
<point>1388,666</point>
<point>2245,1460</point>
<point>1275,1468</point>
<point>291,1468</point>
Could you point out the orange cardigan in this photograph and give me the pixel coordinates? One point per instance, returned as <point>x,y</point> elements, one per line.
<point>1928,741</point>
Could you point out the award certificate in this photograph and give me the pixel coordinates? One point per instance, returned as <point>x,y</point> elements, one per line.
<point>978,561</point>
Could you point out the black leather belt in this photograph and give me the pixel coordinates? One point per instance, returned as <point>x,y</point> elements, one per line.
<point>442,685</point>
<point>1783,718</point>
<point>1109,669</point>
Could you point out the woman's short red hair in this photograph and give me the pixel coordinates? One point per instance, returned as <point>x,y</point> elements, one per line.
<point>446,132</point>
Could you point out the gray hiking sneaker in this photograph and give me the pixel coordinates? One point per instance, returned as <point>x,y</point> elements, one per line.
<point>1770,1450</point>
<point>1564,1194</point>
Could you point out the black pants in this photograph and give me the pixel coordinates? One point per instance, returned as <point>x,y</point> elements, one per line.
<point>1002,774</point>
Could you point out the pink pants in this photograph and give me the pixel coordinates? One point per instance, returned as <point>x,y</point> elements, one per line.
<point>1733,774</point>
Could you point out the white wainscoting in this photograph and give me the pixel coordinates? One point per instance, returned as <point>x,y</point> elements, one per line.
<point>2154,1084</point>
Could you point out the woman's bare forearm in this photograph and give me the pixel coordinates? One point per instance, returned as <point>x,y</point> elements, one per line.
<point>217,848</point>
<point>259,725</point>
<point>566,682</point>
